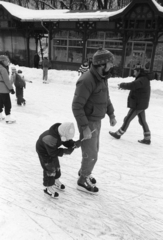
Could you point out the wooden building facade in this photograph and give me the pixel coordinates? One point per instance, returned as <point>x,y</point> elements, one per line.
<point>133,34</point>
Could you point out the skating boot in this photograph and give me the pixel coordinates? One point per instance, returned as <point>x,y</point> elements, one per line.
<point>10,119</point>
<point>49,191</point>
<point>92,179</point>
<point>84,184</point>
<point>59,185</point>
<point>145,141</point>
<point>1,117</point>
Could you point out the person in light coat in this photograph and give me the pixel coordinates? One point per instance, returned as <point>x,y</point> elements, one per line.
<point>5,90</point>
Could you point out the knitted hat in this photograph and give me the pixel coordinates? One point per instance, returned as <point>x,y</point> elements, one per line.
<point>102,56</point>
<point>4,58</point>
<point>67,131</point>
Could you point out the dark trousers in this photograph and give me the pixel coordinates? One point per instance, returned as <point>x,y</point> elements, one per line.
<point>51,169</point>
<point>90,148</point>
<point>132,113</point>
<point>19,95</point>
<point>5,102</point>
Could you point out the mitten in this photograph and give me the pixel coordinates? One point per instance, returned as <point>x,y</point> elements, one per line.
<point>122,85</point>
<point>68,151</point>
<point>12,91</point>
<point>77,144</point>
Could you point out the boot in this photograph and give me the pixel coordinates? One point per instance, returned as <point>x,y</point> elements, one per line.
<point>84,184</point>
<point>1,117</point>
<point>59,185</point>
<point>115,135</point>
<point>10,119</point>
<point>145,141</point>
<point>92,179</point>
<point>50,192</point>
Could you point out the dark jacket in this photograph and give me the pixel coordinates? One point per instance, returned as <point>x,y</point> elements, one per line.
<point>49,143</point>
<point>139,95</point>
<point>91,99</point>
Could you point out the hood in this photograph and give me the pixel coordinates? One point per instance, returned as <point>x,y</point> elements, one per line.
<point>53,130</point>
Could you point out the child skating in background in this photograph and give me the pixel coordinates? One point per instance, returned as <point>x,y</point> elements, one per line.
<point>49,150</point>
<point>84,67</point>
<point>19,81</point>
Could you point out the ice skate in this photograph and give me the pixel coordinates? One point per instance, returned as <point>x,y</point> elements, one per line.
<point>84,184</point>
<point>145,141</point>
<point>49,191</point>
<point>1,117</point>
<point>92,179</point>
<point>115,135</point>
<point>59,185</point>
<point>10,119</point>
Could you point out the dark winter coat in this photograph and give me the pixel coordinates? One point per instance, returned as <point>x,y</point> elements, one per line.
<point>49,142</point>
<point>91,99</point>
<point>19,81</point>
<point>139,95</point>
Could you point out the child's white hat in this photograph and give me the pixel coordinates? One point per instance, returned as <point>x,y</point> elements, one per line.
<point>67,131</point>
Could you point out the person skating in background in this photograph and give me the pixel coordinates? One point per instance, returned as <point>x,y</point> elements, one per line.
<point>45,66</point>
<point>5,90</point>
<point>138,101</point>
<point>84,67</point>
<point>49,150</point>
<point>20,72</point>
<point>90,104</point>
<point>19,84</point>
<point>36,60</point>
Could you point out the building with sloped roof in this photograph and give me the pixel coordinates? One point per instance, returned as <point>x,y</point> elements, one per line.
<point>134,34</point>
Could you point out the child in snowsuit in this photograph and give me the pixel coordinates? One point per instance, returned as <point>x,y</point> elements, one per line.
<point>48,150</point>
<point>84,67</point>
<point>19,84</point>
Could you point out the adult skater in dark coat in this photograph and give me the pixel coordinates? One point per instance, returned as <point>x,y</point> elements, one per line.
<point>138,101</point>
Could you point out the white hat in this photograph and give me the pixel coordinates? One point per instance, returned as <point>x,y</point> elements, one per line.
<point>67,131</point>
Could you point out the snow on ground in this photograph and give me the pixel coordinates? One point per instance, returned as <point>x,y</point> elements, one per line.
<point>129,174</point>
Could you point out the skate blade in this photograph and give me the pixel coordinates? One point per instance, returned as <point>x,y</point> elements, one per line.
<point>86,191</point>
<point>48,197</point>
<point>10,122</point>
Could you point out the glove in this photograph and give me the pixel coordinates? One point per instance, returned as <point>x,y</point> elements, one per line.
<point>77,144</point>
<point>12,91</point>
<point>87,133</point>
<point>68,151</point>
<point>121,86</point>
<point>113,121</point>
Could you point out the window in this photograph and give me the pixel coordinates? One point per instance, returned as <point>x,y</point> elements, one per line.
<point>68,47</point>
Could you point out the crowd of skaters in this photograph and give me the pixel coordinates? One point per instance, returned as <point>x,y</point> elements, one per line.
<point>91,103</point>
